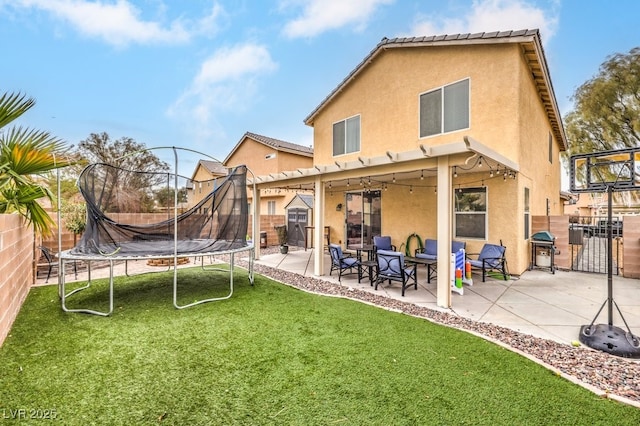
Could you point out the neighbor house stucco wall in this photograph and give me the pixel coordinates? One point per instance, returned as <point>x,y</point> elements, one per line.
<point>263,160</point>
<point>203,184</point>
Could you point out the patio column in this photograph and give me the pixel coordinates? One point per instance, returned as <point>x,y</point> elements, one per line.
<point>444,215</point>
<point>318,227</point>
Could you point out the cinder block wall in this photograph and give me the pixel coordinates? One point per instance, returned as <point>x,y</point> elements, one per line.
<point>267,223</point>
<point>631,246</point>
<point>16,268</point>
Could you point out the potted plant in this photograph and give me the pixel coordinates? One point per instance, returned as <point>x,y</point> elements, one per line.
<point>281,231</point>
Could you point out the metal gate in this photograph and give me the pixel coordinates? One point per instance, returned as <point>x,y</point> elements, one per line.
<point>297,220</point>
<point>588,236</point>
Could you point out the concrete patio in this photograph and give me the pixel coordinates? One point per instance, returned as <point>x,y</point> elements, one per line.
<point>545,305</point>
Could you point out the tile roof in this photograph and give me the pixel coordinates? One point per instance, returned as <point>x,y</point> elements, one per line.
<point>279,144</point>
<point>213,167</point>
<point>532,49</point>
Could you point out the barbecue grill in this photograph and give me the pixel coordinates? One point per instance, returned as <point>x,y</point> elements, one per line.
<point>543,251</point>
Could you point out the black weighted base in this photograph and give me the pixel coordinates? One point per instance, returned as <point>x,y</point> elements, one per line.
<point>611,339</point>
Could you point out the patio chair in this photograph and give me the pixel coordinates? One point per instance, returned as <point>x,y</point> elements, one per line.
<point>491,258</point>
<point>391,267</point>
<point>382,242</point>
<point>342,262</point>
<point>430,250</point>
<point>46,262</point>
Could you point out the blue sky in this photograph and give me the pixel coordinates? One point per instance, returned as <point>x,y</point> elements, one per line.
<point>201,73</point>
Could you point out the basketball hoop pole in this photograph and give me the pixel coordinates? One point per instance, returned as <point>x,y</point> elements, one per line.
<point>610,254</point>
<point>610,338</point>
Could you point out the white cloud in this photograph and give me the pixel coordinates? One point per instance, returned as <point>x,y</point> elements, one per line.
<point>119,23</point>
<point>226,81</point>
<point>322,15</point>
<point>491,15</point>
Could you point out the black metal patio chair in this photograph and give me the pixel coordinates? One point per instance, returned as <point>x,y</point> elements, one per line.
<point>342,262</point>
<point>391,267</point>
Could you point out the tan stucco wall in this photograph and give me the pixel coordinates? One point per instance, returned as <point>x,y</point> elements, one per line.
<point>386,95</point>
<point>533,142</point>
<point>507,115</point>
<point>202,186</point>
<point>253,154</point>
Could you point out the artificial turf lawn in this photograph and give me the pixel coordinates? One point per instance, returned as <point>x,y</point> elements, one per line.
<point>269,355</point>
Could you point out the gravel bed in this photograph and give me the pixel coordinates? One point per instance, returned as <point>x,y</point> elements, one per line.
<point>610,374</point>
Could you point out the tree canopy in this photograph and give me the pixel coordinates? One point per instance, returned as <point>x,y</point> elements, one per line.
<point>606,115</point>
<point>165,197</point>
<point>127,154</point>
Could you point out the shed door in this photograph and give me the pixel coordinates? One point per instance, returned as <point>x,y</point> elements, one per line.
<point>297,219</point>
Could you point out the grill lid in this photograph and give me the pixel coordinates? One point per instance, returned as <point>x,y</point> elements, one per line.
<point>543,236</point>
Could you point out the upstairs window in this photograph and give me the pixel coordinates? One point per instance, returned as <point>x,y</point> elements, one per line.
<point>346,136</point>
<point>445,109</point>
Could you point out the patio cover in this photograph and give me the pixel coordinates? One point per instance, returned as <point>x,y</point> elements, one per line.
<point>440,158</point>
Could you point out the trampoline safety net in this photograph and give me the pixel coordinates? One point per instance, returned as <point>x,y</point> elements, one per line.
<point>114,195</point>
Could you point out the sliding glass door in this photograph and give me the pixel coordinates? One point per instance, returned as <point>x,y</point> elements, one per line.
<point>363,215</point>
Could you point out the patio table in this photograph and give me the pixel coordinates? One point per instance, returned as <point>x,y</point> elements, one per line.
<point>431,265</point>
<point>359,248</point>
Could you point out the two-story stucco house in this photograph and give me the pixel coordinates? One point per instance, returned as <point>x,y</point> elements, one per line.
<point>447,137</point>
<point>269,156</point>
<point>203,180</point>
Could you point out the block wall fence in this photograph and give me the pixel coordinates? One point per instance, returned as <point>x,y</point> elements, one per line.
<point>267,224</point>
<point>16,268</point>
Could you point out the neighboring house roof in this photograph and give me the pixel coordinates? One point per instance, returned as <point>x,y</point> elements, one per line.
<point>214,167</point>
<point>532,50</point>
<point>278,144</point>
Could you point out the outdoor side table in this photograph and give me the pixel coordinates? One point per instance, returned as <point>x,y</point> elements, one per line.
<point>431,265</point>
<point>370,271</point>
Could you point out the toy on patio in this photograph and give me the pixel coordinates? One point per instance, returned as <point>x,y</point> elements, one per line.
<point>120,228</point>
<point>608,171</point>
<point>460,272</point>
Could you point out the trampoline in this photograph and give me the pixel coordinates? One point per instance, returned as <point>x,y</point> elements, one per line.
<point>125,223</point>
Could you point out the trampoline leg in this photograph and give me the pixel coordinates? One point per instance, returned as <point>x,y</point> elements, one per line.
<point>64,295</point>
<point>213,299</point>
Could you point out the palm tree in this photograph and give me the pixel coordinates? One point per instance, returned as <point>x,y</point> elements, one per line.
<point>26,156</point>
